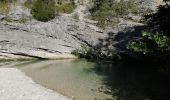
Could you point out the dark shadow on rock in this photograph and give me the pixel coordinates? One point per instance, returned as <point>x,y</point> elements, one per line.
<point>117,42</point>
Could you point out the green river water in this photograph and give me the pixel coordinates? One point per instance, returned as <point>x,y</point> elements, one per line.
<point>84,80</point>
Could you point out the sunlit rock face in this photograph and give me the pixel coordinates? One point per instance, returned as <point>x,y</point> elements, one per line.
<point>149,5</point>
<point>61,35</point>
<point>53,39</point>
<point>146,5</point>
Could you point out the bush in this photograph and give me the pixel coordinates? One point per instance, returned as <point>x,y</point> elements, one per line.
<point>93,53</point>
<point>43,10</point>
<point>65,8</point>
<point>82,51</point>
<point>106,11</point>
<point>150,44</point>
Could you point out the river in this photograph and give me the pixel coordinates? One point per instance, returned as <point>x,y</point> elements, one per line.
<point>85,80</point>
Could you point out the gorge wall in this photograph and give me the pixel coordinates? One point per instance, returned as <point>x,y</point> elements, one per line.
<point>59,37</point>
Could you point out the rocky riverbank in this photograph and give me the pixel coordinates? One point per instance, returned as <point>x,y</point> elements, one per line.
<point>15,85</point>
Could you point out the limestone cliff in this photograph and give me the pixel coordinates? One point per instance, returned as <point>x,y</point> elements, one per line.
<point>60,36</point>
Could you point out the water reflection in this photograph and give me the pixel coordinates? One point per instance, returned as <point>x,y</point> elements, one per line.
<point>135,81</point>
<point>98,81</point>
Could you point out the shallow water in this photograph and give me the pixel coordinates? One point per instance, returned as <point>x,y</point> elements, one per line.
<point>83,80</point>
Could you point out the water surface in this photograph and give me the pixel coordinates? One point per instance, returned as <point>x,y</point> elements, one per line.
<point>85,80</point>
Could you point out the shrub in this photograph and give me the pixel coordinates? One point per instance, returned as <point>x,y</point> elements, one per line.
<point>153,43</point>
<point>93,53</point>
<point>43,10</point>
<point>150,43</point>
<point>82,51</point>
<point>65,8</point>
<point>106,11</point>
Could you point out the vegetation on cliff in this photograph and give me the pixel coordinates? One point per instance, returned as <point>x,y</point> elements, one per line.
<point>156,41</point>
<point>43,10</point>
<point>63,7</point>
<point>106,12</point>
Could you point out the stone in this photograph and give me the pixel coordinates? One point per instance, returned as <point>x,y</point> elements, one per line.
<point>18,13</point>
<point>2,17</point>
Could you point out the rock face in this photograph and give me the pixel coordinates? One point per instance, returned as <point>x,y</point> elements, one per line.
<point>54,39</point>
<point>150,5</point>
<point>60,36</point>
<point>45,40</point>
<point>18,13</point>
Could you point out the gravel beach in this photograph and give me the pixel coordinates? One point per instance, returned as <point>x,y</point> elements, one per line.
<point>15,85</point>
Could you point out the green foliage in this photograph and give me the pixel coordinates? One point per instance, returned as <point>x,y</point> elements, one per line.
<point>3,0</point>
<point>82,51</point>
<point>157,44</point>
<point>106,11</point>
<point>138,47</point>
<point>93,53</point>
<point>8,1</point>
<point>150,43</point>
<point>65,8</point>
<point>161,40</point>
<point>43,10</point>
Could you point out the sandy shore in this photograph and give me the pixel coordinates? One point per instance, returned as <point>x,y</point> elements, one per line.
<point>15,85</point>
